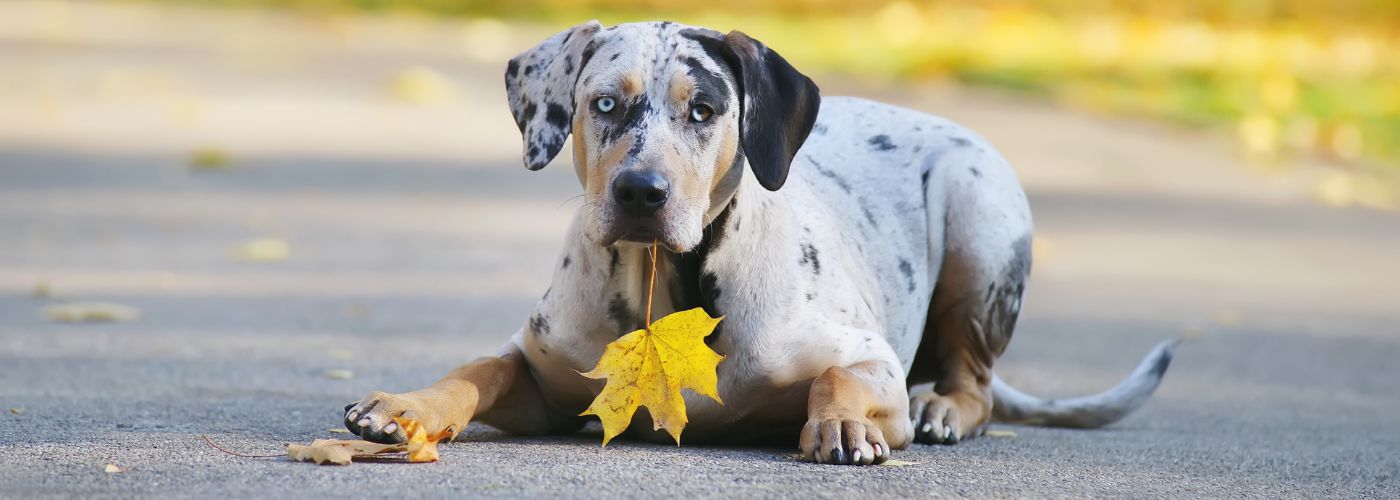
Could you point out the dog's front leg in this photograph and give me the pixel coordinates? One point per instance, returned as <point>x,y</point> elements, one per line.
<point>856,414</point>
<point>498,390</point>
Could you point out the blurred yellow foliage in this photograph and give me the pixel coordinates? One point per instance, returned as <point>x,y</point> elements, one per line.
<point>1275,70</point>
<point>422,85</point>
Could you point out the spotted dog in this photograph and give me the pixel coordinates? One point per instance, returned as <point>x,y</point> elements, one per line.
<point>870,261</point>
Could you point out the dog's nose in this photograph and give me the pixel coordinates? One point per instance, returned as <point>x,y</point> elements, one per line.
<point>641,193</point>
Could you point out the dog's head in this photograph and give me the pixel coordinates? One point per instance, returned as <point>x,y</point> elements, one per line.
<point>664,116</point>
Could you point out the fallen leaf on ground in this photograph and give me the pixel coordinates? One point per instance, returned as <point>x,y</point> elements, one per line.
<point>422,447</point>
<point>339,374</point>
<point>89,312</point>
<point>338,431</point>
<point>898,463</point>
<point>112,469</point>
<point>209,159</point>
<point>649,368</point>
<point>1228,317</point>
<point>17,411</point>
<point>338,451</point>
<point>999,433</point>
<point>263,250</point>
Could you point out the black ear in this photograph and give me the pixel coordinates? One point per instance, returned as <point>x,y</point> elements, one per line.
<point>779,106</point>
<point>540,88</point>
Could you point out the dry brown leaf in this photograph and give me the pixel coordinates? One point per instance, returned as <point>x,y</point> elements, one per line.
<point>17,411</point>
<point>337,451</point>
<point>999,433</point>
<point>89,312</point>
<point>338,431</point>
<point>263,250</point>
<point>339,374</point>
<point>422,447</point>
<point>113,469</point>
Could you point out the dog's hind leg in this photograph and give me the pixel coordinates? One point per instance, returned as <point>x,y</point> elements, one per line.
<point>980,226</point>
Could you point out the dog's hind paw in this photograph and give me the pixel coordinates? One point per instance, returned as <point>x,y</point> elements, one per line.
<point>844,442</point>
<point>940,419</point>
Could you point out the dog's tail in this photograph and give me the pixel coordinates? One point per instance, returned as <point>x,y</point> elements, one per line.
<point>1013,406</point>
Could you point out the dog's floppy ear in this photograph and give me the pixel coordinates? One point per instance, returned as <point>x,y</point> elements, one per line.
<point>540,87</point>
<point>779,106</point>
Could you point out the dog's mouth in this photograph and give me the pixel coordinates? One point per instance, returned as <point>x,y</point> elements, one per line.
<point>641,231</point>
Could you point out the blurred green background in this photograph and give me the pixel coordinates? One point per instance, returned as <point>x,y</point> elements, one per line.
<point>1283,77</point>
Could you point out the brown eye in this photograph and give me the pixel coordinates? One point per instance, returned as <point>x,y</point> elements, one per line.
<point>701,113</point>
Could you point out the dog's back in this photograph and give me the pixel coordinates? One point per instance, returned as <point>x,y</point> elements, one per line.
<point>873,168</point>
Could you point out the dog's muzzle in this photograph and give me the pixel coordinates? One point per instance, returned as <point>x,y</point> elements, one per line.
<point>640,195</point>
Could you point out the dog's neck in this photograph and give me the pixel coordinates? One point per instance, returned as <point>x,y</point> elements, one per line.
<point>681,283</point>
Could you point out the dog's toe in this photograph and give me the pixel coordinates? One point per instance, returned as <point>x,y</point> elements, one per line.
<point>844,442</point>
<point>372,418</point>
<point>936,420</point>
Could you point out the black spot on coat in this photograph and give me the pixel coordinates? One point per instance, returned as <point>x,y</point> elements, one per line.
<point>558,117</point>
<point>621,314</point>
<point>908,271</point>
<point>809,257</point>
<point>881,142</point>
<point>539,324</point>
<point>828,173</point>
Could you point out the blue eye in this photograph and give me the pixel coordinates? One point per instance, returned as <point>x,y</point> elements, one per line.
<point>605,104</point>
<point>701,113</point>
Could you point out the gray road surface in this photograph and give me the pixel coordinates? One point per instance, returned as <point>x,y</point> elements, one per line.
<point>417,240</point>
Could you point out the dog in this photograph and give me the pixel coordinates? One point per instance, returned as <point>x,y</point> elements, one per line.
<point>869,261</point>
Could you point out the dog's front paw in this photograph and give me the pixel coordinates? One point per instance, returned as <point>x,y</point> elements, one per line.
<point>372,418</point>
<point>844,441</point>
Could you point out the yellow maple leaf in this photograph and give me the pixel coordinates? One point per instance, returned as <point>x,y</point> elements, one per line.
<point>422,447</point>
<point>649,368</point>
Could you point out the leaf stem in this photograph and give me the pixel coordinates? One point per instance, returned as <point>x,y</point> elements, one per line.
<point>236,454</point>
<point>651,283</point>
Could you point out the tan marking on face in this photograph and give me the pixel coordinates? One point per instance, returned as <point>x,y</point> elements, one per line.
<point>681,170</point>
<point>581,130</point>
<point>728,147</point>
<point>607,162</point>
<point>632,83</point>
<point>682,88</point>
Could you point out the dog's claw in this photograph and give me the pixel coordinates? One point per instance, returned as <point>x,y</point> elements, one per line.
<point>936,419</point>
<point>372,418</point>
<point>845,442</point>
